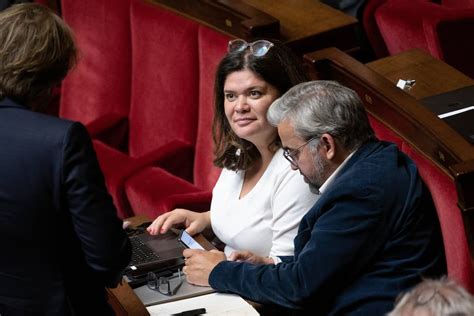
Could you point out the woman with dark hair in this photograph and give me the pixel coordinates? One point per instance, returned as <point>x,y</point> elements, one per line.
<point>257,201</point>
<point>60,236</point>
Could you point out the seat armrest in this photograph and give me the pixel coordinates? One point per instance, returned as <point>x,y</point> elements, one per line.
<point>111,129</point>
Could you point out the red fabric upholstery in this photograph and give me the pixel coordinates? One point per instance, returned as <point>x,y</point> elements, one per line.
<point>100,84</point>
<point>458,3</point>
<point>394,26</point>
<point>118,167</point>
<point>164,79</point>
<point>383,133</point>
<point>445,198</point>
<point>164,94</point>
<point>372,30</point>
<point>212,48</point>
<point>153,191</point>
<point>444,195</point>
<point>445,37</point>
<point>145,199</point>
<point>401,25</point>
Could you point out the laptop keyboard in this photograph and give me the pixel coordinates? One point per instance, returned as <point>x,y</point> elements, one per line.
<point>141,253</point>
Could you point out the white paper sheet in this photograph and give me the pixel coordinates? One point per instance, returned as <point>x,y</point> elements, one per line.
<point>215,304</point>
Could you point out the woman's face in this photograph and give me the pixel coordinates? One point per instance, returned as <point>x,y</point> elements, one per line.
<point>246,101</point>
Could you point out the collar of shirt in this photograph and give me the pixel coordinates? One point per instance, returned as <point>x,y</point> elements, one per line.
<point>334,174</point>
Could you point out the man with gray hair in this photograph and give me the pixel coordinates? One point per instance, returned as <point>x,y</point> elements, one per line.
<point>373,232</point>
<point>435,298</point>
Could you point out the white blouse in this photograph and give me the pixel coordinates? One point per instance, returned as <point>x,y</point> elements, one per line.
<point>266,219</point>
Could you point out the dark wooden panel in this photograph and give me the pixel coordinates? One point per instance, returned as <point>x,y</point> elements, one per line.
<point>233,17</point>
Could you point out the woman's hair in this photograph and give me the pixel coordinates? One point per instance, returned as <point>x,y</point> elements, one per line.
<point>280,68</point>
<point>319,107</point>
<point>37,50</point>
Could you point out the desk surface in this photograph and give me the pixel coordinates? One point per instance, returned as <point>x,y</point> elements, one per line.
<point>310,24</point>
<point>302,18</point>
<point>432,75</point>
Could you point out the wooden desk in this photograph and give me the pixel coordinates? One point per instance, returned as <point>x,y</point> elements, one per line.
<point>308,25</point>
<point>432,75</point>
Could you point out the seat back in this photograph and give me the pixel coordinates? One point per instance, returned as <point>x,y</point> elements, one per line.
<point>98,88</point>
<point>430,142</point>
<point>443,191</point>
<point>165,74</point>
<point>394,26</point>
<point>212,48</point>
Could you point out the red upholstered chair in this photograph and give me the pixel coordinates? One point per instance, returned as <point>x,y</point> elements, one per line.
<point>149,199</point>
<point>441,29</point>
<point>444,195</point>
<point>97,91</point>
<point>383,132</point>
<point>163,104</point>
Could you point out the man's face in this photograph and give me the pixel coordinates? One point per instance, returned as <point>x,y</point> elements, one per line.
<point>313,165</point>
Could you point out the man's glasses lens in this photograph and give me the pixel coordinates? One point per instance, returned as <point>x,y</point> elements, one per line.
<point>166,285</point>
<point>291,155</point>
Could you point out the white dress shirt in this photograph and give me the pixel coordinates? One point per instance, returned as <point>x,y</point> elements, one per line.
<point>266,219</point>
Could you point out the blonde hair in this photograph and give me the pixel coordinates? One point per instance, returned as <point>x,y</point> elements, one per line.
<point>37,50</point>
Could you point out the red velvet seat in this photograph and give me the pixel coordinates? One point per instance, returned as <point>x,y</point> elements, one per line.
<point>445,198</point>
<point>97,91</point>
<point>444,195</point>
<point>149,199</point>
<point>443,30</point>
<point>163,103</point>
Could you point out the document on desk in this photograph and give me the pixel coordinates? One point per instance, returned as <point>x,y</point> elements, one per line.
<point>215,304</point>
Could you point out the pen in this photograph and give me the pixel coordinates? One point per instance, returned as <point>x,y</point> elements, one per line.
<point>191,312</point>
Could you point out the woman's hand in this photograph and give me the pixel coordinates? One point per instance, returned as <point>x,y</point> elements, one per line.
<point>199,264</point>
<point>248,256</point>
<point>193,221</point>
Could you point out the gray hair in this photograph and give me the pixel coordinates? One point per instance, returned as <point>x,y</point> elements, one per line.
<point>435,298</point>
<point>319,107</point>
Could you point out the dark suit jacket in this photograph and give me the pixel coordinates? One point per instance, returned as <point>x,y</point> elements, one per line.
<point>371,235</point>
<point>60,237</point>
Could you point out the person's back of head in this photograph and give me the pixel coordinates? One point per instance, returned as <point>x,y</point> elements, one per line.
<point>37,50</point>
<point>319,107</point>
<point>435,298</point>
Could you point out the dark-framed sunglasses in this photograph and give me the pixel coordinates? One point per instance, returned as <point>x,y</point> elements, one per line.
<point>258,48</point>
<point>166,285</point>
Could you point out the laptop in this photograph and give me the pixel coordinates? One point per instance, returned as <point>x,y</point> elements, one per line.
<point>160,253</point>
<point>455,108</point>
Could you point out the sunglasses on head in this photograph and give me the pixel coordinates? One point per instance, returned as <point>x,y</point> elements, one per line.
<point>258,48</point>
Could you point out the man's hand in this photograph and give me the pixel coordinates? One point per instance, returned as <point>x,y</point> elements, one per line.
<point>250,257</point>
<point>199,264</point>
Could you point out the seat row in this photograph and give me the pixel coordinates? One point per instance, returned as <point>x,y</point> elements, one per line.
<point>144,89</point>
<point>439,27</point>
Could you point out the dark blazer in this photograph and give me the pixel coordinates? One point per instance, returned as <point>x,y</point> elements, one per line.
<point>371,235</point>
<point>60,237</point>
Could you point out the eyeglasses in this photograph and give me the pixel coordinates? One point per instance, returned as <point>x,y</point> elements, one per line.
<point>258,48</point>
<point>428,295</point>
<point>163,284</point>
<point>292,155</point>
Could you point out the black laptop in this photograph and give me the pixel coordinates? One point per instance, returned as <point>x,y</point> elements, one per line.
<point>455,108</point>
<point>160,253</point>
